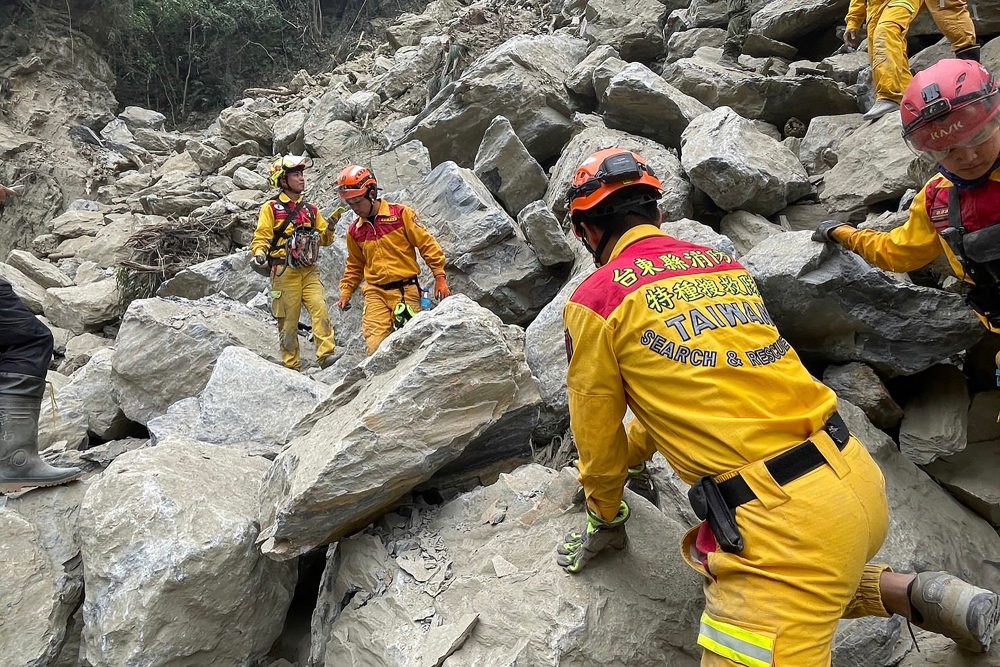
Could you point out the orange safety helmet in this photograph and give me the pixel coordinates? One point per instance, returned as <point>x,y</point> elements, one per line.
<point>606,172</point>
<point>356,181</point>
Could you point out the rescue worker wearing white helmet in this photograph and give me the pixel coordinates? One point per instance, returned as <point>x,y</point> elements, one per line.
<point>285,247</point>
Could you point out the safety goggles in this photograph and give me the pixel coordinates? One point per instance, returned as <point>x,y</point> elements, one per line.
<point>615,169</point>
<point>937,146</point>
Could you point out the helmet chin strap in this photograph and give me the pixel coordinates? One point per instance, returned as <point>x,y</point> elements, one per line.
<point>601,245</point>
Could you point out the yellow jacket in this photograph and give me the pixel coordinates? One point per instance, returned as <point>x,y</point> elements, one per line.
<point>272,215</point>
<point>679,333</point>
<point>383,251</point>
<point>917,243</point>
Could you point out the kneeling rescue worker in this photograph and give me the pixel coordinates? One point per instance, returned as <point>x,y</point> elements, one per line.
<point>793,505</point>
<point>381,249</point>
<point>950,112</point>
<point>286,247</point>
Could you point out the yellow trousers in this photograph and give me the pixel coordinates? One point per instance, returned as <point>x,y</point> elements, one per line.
<point>294,288</point>
<point>805,562</point>
<point>376,320</point>
<point>888,23</point>
<point>954,22</point>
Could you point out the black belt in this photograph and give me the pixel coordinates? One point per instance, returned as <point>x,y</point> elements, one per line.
<point>399,284</point>
<point>790,465</point>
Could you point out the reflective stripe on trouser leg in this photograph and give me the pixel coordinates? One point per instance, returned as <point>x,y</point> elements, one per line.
<point>735,643</point>
<point>890,65</point>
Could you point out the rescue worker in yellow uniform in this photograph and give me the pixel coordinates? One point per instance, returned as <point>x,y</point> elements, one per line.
<point>888,24</point>
<point>793,505</point>
<point>286,246</point>
<point>951,113</point>
<point>381,250</point>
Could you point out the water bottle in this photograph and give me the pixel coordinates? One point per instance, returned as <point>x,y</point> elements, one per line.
<point>425,299</point>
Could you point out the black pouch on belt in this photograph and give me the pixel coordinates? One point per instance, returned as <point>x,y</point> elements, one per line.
<point>708,503</point>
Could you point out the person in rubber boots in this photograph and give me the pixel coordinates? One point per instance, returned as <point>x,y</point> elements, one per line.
<point>25,355</point>
<point>381,250</point>
<point>888,24</point>
<point>793,505</point>
<point>289,234</point>
<point>951,113</point>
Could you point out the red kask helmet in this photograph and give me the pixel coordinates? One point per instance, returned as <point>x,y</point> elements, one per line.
<point>950,104</point>
<point>356,181</point>
<point>606,172</point>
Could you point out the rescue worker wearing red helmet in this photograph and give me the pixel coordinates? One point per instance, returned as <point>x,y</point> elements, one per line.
<point>285,246</point>
<point>381,250</point>
<point>888,24</point>
<point>793,505</point>
<point>951,112</point>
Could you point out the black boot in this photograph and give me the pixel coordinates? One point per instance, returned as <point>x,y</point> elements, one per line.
<point>20,465</point>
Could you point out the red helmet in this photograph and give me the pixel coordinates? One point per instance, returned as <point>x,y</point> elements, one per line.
<point>356,181</point>
<point>606,172</point>
<point>950,104</point>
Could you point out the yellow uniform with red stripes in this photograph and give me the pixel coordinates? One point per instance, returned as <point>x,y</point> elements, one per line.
<point>679,334</point>
<point>918,242</point>
<point>382,252</point>
<point>294,287</point>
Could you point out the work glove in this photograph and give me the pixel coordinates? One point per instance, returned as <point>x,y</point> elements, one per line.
<point>822,233</point>
<point>260,259</point>
<point>441,289</point>
<point>577,548</point>
<point>337,213</point>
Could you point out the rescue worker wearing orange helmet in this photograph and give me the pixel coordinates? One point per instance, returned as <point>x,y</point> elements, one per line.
<point>381,250</point>
<point>793,505</point>
<point>950,112</point>
<point>888,24</point>
<point>285,246</point>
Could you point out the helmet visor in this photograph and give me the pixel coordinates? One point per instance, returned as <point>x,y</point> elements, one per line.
<point>962,127</point>
<point>295,162</point>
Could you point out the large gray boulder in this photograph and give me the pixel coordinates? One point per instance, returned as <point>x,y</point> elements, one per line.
<point>746,229</point>
<point>738,166</point>
<point>936,416</point>
<point>873,166</point>
<point>238,124</point>
<point>84,307</point>
<point>487,261</point>
<point>43,273</point>
<point>826,138</point>
<point>860,385</point>
<point>347,466</point>
<point>248,401</point>
<point>489,555</point>
<point>693,231</point>
<point>403,167</point>
<point>27,290</point>
<point>321,132</point>
<point>413,66</point>
<point>928,530</point>
<point>85,406</point>
<point>546,354</point>
<point>788,21</point>
<point>167,347</point>
<point>230,275</point>
<point>289,133</point>
<point>522,80</point>
<point>631,26</point>
<point>42,575</point>
<point>167,538</point>
<point>581,79</point>
<point>831,305</point>
<point>676,201</point>
<point>773,99</point>
<point>545,235</point>
<point>506,167</point>
<point>137,118</point>
<point>639,101</point>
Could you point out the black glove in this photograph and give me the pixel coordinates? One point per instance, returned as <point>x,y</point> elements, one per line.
<point>822,233</point>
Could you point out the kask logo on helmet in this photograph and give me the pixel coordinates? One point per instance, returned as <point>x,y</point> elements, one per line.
<point>947,131</point>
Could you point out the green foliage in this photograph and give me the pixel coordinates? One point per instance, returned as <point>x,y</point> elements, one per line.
<point>181,56</point>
